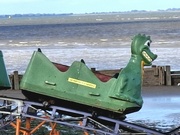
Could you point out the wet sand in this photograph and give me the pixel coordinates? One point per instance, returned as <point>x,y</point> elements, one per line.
<point>161,108</point>
<point>12,93</point>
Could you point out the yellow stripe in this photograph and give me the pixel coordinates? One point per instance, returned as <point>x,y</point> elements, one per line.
<point>80,82</point>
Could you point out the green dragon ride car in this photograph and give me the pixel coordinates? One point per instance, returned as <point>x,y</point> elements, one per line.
<point>4,78</point>
<point>77,87</point>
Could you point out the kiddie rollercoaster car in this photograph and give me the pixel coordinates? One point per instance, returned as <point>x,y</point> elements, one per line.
<point>77,87</point>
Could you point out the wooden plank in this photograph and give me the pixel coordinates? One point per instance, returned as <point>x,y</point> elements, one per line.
<point>161,76</point>
<point>175,79</point>
<point>168,75</point>
<point>175,72</point>
<point>156,75</point>
<point>156,70</point>
<point>16,80</point>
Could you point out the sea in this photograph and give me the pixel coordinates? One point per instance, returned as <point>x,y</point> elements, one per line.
<point>102,40</point>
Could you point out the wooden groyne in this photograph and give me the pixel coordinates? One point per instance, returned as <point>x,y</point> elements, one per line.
<point>153,76</point>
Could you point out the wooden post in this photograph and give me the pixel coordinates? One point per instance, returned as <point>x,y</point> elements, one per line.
<point>168,75</point>
<point>16,80</point>
<point>161,76</point>
<point>156,70</point>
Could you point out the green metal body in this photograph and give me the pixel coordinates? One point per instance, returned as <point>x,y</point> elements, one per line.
<point>4,78</point>
<point>80,85</point>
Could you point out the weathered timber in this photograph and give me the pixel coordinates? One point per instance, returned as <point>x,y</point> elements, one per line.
<point>16,80</point>
<point>168,75</point>
<point>153,76</point>
<point>175,79</point>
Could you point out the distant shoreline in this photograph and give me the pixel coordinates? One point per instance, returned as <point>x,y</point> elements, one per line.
<point>93,13</point>
<point>115,17</point>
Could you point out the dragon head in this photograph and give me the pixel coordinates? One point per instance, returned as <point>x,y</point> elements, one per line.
<point>140,46</point>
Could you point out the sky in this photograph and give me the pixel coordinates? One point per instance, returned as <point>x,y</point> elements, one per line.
<point>10,7</point>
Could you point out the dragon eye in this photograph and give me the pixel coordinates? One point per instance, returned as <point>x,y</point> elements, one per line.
<point>148,42</point>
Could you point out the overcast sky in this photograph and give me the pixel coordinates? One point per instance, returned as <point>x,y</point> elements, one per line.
<point>82,6</point>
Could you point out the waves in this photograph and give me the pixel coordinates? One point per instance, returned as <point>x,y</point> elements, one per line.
<point>99,58</point>
<point>103,41</point>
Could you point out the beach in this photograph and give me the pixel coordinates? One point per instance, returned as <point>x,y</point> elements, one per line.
<point>160,109</point>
